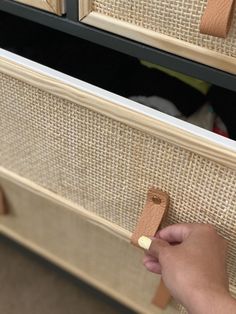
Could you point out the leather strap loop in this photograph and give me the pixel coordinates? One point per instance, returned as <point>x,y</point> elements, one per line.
<point>217,18</point>
<point>153,213</point>
<point>162,296</point>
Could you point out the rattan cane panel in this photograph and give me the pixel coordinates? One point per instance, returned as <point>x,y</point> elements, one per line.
<point>176,18</point>
<point>107,166</point>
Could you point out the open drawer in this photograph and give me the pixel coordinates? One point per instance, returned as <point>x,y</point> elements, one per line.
<point>76,162</point>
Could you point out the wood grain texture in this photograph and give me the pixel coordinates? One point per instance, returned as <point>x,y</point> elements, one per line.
<point>217,18</point>
<point>85,7</point>
<point>157,40</point>
<point>171,133</point>
<point>61,201</point>
<point>54,6</point>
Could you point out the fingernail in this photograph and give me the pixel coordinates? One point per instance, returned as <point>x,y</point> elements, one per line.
<point>144,242</point>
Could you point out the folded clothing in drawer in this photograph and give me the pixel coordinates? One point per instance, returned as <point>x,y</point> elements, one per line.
<point>204,31</point>
<point>100,153</point>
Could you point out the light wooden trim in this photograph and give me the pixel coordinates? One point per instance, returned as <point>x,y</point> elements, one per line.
<point>69,205</point>
<point>85,7</point>
<point>157,40</point>
<point>63,6</point>
<point>54,6</point>
<point>177,132</point>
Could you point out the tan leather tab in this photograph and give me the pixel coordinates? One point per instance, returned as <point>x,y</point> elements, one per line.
<point>217,18</point>
<point>152,215</point>
<point>162,296</point>
<point>3,209</point>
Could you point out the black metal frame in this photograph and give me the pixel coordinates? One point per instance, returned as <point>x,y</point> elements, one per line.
<point>70,24</point>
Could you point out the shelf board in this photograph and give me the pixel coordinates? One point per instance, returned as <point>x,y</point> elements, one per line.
<point>69,24</point>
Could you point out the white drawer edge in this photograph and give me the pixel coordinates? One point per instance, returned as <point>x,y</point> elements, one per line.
<point>89,216</point>
<point>181,133</point>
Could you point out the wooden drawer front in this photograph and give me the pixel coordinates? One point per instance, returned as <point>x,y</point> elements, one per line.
<point>54,6</point>
<point>102,152</point>
<point>89,251</point>
<point>169,25</point>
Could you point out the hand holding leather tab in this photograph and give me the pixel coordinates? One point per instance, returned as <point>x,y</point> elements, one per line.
<point>153,213</point>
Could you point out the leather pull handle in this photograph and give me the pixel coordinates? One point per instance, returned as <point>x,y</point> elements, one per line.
<point>3,208</point>
<point>150,220</point>
<point>217,18</point>
<point>153,213</point>
<point>162,296</point>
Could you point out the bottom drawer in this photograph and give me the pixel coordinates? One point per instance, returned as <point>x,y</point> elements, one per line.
<point>43,223</point>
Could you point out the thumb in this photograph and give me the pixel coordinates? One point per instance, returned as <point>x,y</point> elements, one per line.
<point>153,247</point>
<point>156,247</point>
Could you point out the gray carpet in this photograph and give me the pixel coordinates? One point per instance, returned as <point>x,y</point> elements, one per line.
<point>30,285</point>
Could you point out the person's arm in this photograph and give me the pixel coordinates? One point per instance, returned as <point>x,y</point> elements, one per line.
<point>192,261</point>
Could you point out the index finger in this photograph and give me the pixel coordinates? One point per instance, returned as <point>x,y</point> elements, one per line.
<point>176,233</point>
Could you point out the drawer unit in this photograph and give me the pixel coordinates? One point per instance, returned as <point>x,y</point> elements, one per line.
<point>178,27</point>
<point>85,158</point>
<point>53,6</point>
<point>59,231</point>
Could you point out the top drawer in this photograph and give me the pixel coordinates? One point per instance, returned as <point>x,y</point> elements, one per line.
<point>53,6</point>
<point>170,25</point>
<point>104,152</point>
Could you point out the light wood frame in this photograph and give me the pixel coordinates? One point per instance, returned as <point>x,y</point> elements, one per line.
<point>54,6</point>
<point>154,39</point>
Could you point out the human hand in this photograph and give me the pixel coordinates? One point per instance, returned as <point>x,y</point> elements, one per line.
<point>192,261</point>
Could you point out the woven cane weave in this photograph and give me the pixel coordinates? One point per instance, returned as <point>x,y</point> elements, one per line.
<point>107,166</point>
<point>176,18</point>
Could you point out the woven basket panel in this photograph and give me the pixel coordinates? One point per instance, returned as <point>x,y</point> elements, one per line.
<point>107,166</point>
<point>176,18</point>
